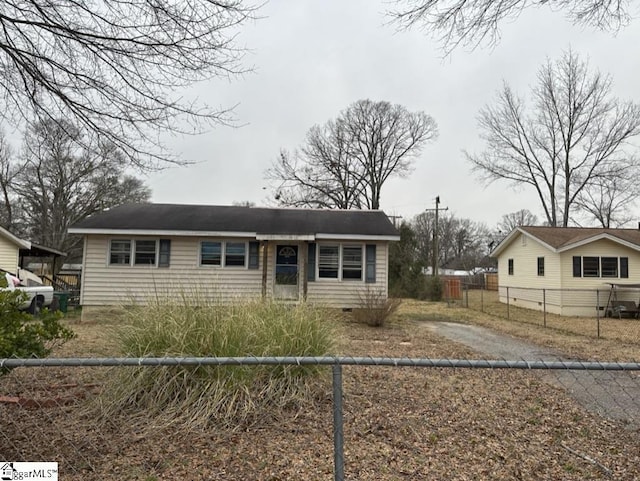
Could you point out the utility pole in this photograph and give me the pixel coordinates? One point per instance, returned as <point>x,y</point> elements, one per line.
<point>434,263</point>
<point>394,218</point>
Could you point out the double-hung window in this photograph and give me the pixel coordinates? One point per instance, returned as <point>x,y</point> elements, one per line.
<point>140,252</point>
<point>235,254</point>
<point>120,252</point>
<point>328,261</point>
<point>541,266</point>
<point>592,266</point>
<point>210,253</point>
<point>344,262</point>
<point>224,254</point>
<point>352,263</point>
<point>609,266</point>
<point>145,252</point>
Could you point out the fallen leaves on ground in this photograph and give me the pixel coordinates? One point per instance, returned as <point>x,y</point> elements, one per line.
<point>399,424</point>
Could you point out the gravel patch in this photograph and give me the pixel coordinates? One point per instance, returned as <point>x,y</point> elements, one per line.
<point>611,394</point>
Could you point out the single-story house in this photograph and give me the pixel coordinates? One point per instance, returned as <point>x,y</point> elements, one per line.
<point>15,253</point>
<point>10,246</point>
<point>568,270</point>
<point>137,251</point>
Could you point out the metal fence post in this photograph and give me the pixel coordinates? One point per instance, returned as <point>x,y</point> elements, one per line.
<point>466,295</point>
<point>598,311</point>
<point>507,302</point>
<point>544,307</point>
<point>338,434</point>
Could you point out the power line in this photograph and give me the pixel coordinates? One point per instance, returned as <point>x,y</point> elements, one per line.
<point>434,260</point>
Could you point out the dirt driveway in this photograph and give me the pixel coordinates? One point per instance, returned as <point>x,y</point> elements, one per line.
<point>611,394</point>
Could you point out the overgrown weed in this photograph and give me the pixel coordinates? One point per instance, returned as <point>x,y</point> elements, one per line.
<point>195,396</point>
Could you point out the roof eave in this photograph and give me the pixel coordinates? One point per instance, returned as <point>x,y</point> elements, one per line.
<point>261,236</point>
<point>598,237</point>
<point>502,245</point>
<point>364,237</point>
<point>25,244</point>
<point>156,232</point>
<point>518,230</point>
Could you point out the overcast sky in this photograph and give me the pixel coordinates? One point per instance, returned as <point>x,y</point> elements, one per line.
<point>311,59</point>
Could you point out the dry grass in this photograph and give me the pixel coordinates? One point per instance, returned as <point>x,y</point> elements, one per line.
<point>400,423</point>
<point>601,339</point>
<point>625,330</point>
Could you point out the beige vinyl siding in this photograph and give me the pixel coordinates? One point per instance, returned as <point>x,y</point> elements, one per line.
<point>581,295</point>
<point>524,287</point>
<point>8,255</point>
<point>563,293</point>
<point>525,260</point>
<point>601,248</point>
<point>105,284</point>
<point>85,243</point>
<point>345,294</point>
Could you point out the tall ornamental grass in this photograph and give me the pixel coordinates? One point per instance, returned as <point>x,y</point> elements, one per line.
<point>223,395</point>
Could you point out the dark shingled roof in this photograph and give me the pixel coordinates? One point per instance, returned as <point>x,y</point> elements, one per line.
<point>265,221</point>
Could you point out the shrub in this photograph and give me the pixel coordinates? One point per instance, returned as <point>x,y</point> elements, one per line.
<point>226,395</point>
<point>375,308</point>
<point>23,336</point>
<point>410,282</point>
<point>435,288</point>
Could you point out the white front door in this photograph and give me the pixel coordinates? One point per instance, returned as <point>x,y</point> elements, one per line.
<point>286,282</point>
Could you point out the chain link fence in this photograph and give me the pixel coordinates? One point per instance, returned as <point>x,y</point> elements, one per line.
<point>373,418</point>
<point>589,312</point>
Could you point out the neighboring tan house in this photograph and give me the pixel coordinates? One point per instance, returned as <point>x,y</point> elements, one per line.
<point>135,252</point>
<point>568,270</point>
<point>10,246</point>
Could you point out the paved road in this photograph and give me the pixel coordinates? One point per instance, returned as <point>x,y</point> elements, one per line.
<point>611,394</point>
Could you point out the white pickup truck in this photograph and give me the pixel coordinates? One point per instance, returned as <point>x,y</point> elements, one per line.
<point>38,296</point>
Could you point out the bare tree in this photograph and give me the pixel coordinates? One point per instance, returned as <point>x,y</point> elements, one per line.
<point>611,202</point>
<point>516,219</point>
<point>322,173</point>
<point>7,174</point>
<point>61,180</point>
<point>575,135</point>
<point>462,242</point>
<point>345,163</point>
<point>477,22</point>
<point>116,68</point>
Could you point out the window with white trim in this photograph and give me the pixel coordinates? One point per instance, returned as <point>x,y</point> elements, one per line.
<point>541,266</point>
<point>340,262</point>
<point>145,252</point>
<point>140,252</point>
<point>120,252</point>
<point>223,254</point>
<point>235,254</point>
<point>590,266</point>
<point>210,253</point>
<point>328,261</point>
<point>352,263</point>
<point>607,267</point>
